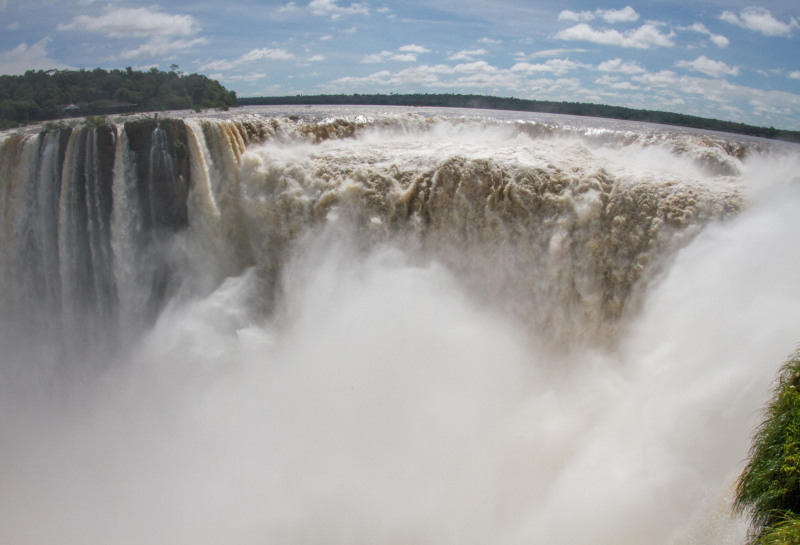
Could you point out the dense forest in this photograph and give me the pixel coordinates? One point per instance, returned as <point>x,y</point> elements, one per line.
<point>39,95</point>
<point>517,104</point>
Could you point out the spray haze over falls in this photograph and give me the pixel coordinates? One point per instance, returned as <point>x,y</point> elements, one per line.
<point>353,325</point>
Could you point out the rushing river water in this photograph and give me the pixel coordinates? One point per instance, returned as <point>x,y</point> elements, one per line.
<point>387,326</point>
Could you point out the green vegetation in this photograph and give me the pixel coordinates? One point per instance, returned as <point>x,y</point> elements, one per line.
<point>96,120</point>
<point>769,487</point>
<point>517,104</point>
<point>784,532</point>
<point>38,95</point>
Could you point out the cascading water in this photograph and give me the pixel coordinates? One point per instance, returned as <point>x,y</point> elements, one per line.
<point>387,327</point>
<point>88,294</point>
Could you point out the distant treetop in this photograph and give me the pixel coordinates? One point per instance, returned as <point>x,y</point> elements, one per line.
<point>45,95</point>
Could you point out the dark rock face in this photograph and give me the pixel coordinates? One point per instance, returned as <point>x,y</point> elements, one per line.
<point>87,195</point>
<point>160,177</point>
<point>161,159</point>
<point>65,191</point>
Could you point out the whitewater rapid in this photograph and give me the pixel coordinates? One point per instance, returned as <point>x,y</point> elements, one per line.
<point>362,325</point>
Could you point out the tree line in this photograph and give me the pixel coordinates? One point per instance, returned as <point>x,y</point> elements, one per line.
<point>44,95</point>
<point>524,105</point>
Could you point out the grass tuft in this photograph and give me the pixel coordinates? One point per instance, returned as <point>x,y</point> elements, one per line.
<point>784,532</point>
<point>769,487</point>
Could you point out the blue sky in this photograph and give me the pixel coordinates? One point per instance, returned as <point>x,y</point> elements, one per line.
<point>731,59</point>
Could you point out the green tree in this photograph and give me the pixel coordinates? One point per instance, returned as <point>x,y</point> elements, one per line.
<point>39,95</point>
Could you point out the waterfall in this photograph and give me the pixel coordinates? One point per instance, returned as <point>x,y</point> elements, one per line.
<point>84,238</point>
<point>387,326</point>
<point>593,238</point>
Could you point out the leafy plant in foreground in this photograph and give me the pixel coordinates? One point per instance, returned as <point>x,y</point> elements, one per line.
<point>769,487</point>
<point>783,532</point>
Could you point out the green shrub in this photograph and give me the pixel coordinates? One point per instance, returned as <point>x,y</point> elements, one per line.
<point>769,487</point>
<point>96,120</point>
<point>784,532</point>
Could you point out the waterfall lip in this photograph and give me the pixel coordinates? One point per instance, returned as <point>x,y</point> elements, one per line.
<point>365,115</point>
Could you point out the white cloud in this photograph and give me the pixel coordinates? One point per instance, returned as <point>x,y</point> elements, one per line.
<point>377,57</point>
<point>404,57</point>
<point>761,20</point>
<point>325,38</point>
<point>136,22</point>
<point>795,74</point>
<point>160,46</point>
<point>664,78</point>
<point>478,74</point>
<point>13,26</point>
<point>771,72</point>
<point>559,67</point>
<point>384,56</point>
<point>329,8</point>
<point>406,53</point>
<point>620,66</point>
<point>265,54</point>
<point>720,40</point>
<point>490,41</point>
<point>493,82</point>
<point>615,83</point>
<point>378,78</point>
<point>288,8</point>
<point>316,58</point>
<point>644,37</point>
<point>475,67</point>
<point>666,90</point>
<point>414,48</point>
<point>569,15</point>
<point>217,65</point>
<point>624,15</point>
<point>253,55</point>
<point>467,54</point>
<point>161,29</point>
<point>714,91</point>
<point>24,57</point>
<point>761,107</point>
<point>709,67</point>
<point>475,75</point>
<point>544,53</point>
<point>716,39</point>
<point>249,78</point>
